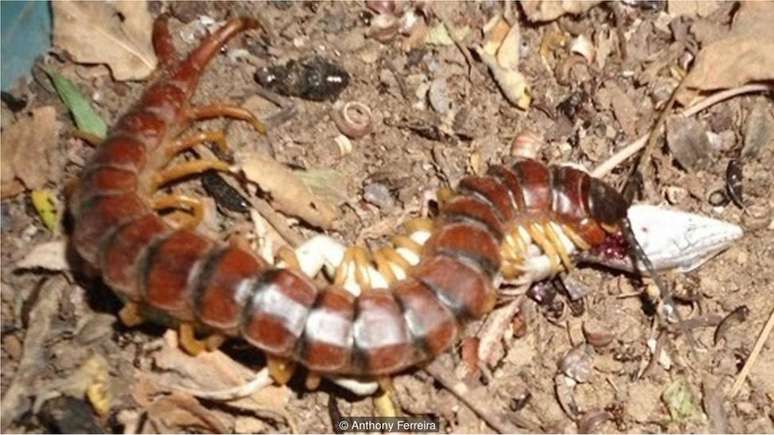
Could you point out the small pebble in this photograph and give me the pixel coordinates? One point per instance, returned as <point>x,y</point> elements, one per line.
<point>675,195</point>
<point>577,364</point>
<point>12,346</point>
<point>439,96</point>
<point>378,195</point>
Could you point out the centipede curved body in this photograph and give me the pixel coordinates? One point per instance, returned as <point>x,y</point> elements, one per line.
<point>482,233</point>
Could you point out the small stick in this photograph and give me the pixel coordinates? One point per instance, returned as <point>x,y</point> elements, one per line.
<point>619,29</point>
<point>630,149</point>
<point>261,380</point>
<point>461,392</point>
<point>641,166</point>
<point>460,46</point>
<point>740,378</point>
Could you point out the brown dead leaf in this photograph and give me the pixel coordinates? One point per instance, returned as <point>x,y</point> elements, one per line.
<point>208,371</point>
<point>623,108</point>
<point>181,413</point>
<point>184,375</point>
<point>288,191</point>
<point>745,55</point>
<point>114,33</point>
<point>24,149</point>
<point>549,10</point>
<point>213,371</point>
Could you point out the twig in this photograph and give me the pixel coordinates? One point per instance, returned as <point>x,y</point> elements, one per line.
<point>460,46</point>
<point>398,78</point>
<point>630,149</point>
<point>287,108</point>
<point>261,380</point>
<point>740,378</point>
<point>277,221</point>
<point>619,29</point>
<point>461,392</point>
<point>26,380</point>
<point>641,167</point>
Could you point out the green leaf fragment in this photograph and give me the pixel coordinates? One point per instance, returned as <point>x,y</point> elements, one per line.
<point>45,205</point>
<point>86,119</point>
<point>682,403</point>
<point>327,184</point>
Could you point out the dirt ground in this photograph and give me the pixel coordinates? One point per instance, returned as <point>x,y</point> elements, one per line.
<point>69,365</point>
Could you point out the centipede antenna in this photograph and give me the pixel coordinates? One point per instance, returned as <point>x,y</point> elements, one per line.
<point>666,295</point>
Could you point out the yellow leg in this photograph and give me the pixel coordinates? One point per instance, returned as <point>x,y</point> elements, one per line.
<point>180,145</point>
<point>407,243</point>
<point>312,381</point>
<point>214,341</point>
<point>342,272</point>
<point>384,267</point>
<point>362,262</point>
<point>418,224</point>
<point>287,256</point>
<point>185,169</point>
<point>130,315</point>
<point>445,195</point>
<point>224,110</point>
<point>536,232</point>
<point>383,403</point>
<point>355,260</point>
<point>280,369</point>
<point>395,258</point>
<point>188,340</point>
<point>554,238</point>
<point>182,202</point>
<point>514,239</point>
<point>576,238</point>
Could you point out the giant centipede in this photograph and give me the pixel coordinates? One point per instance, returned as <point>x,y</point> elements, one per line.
<point>482,234</point>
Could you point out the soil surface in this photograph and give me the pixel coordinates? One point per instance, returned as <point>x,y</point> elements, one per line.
<point>69,365</point>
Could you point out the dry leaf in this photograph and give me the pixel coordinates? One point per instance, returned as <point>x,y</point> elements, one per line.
<point>501,54</point>
<point>115,33</point>
<point>328,184</point>
<point>181,413</point>
<point>48,256</point>
<point>288,191</point>
<point>213,371</point>
<point>209,372</point>
<point>25,145</point>
<point>549,10</point>
<point>623,108</point>
<point>92,372</point>
<point>745,55</point>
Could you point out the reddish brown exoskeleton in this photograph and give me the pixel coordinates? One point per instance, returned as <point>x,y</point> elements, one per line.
<point>483,232</point>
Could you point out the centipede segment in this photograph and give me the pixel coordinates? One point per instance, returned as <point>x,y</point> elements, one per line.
<point>386,310</point>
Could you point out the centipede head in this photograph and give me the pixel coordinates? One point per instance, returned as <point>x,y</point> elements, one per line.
<point>606,205</point>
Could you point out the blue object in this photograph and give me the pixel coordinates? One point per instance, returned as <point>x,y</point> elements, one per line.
<point>26,33</point>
